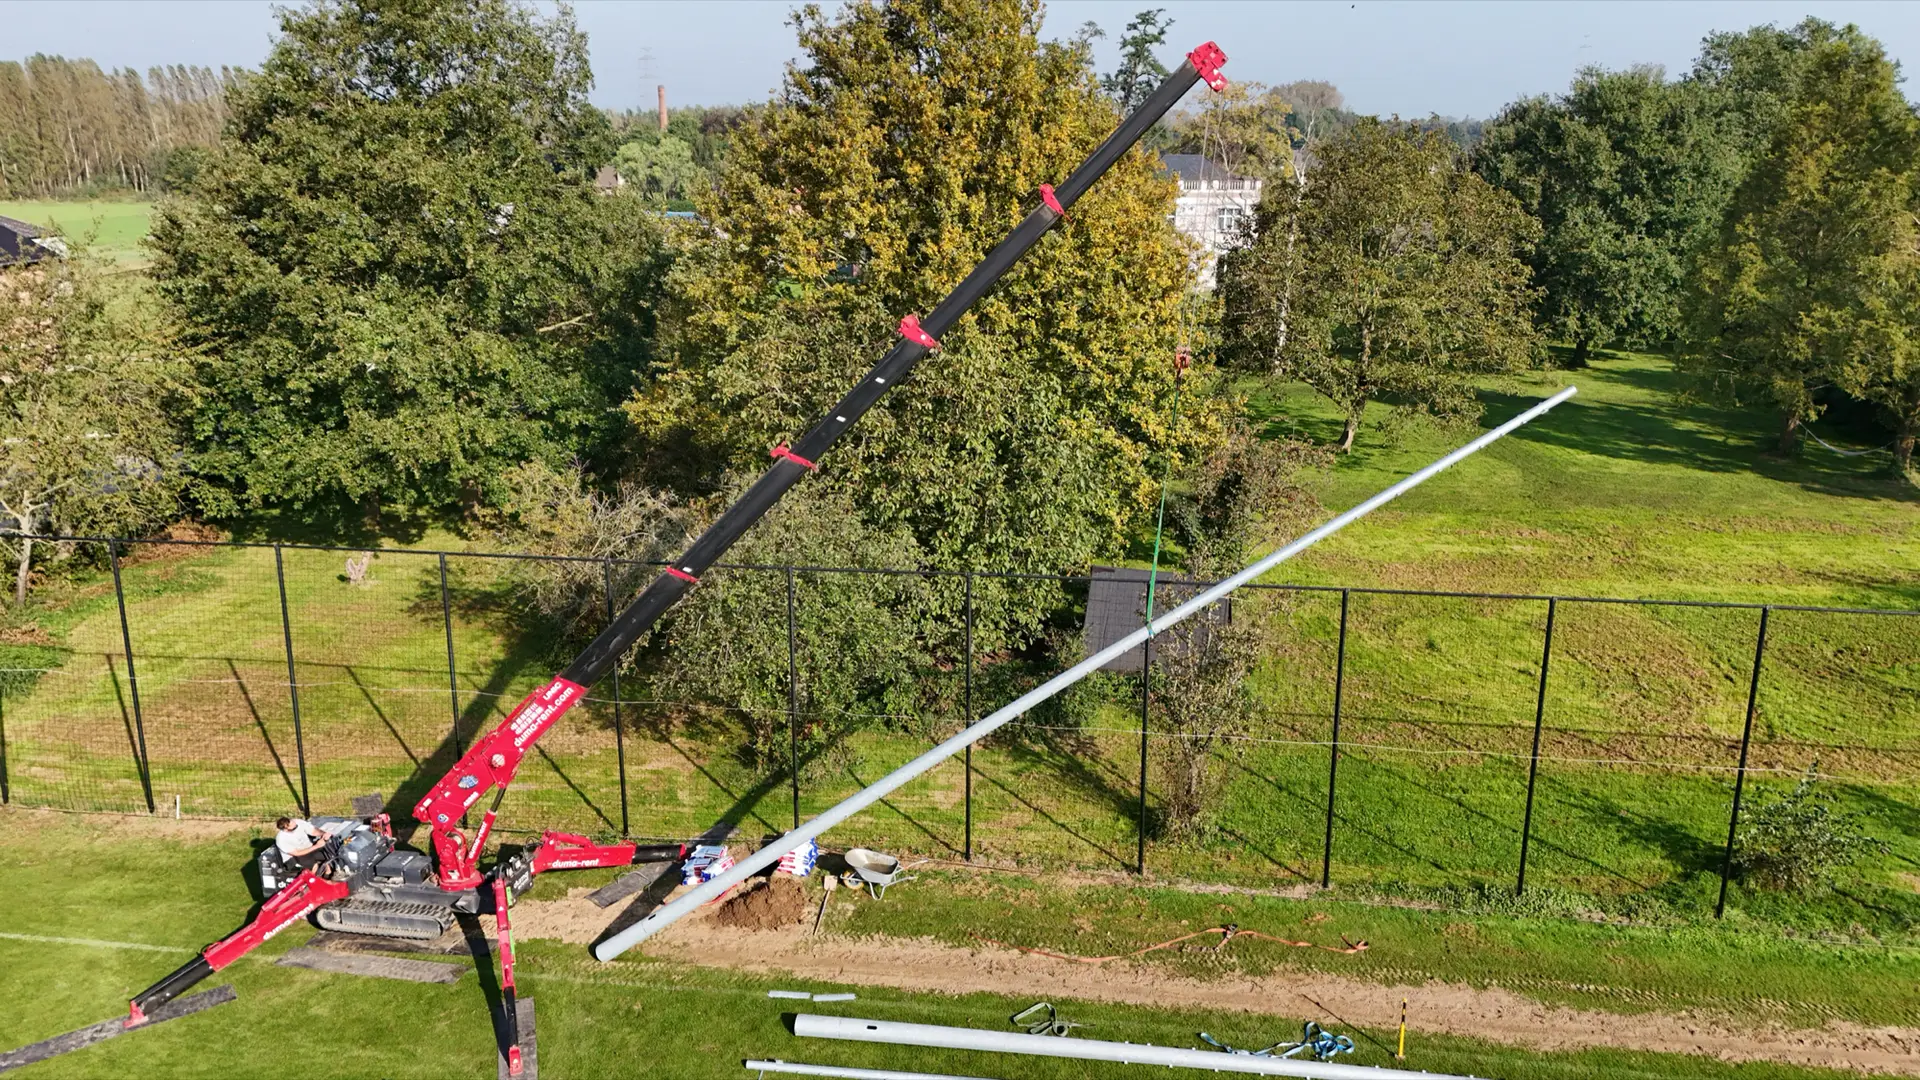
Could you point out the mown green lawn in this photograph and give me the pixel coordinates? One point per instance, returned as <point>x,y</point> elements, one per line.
<point>1625,490</point>
<point>108,883</point>
<point>114,228</point>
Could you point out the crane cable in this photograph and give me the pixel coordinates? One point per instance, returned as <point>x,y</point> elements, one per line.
<point>1181,359</point>
<point>1213,149</point>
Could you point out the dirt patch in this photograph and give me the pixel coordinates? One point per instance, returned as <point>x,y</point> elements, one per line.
<point>25,634</point>
<point>188,538</point>
<point>130,825</point>
<point>778,902</point>
<point>1436,1007</point>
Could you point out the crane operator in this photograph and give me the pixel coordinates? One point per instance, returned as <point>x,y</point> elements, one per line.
<point>303,845</point>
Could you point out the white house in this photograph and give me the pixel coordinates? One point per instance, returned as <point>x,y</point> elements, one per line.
<point>1212,205</point>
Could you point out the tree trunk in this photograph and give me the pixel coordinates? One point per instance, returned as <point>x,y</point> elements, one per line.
<point>1353,428</point>
<point>1903,442</point>
<point>20,576</point>
<point>1286,283</point>
<point>1582,350</point>
<point>1790,431</point>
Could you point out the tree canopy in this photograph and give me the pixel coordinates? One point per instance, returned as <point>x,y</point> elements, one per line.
<point>1628,174</point>
<point>68,126</point>
<point>88,378</point>
<point>1395,272</point>
<point>395,266</point>
<point>1809,282</point>
<point>906,142</point>
<point>674,165</point>
<point>1140,69</point>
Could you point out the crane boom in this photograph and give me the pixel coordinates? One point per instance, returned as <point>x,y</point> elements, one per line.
<point>493,759</point>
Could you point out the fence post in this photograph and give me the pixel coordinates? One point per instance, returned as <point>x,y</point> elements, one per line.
<point>1740,775</point>
<point>6,790</point>
<point>619,726</point>
<point>133,679</point>
<point>293,682</point>
<point>453,678</point>
<point>1533,761</point>
<point>793,701</point>
<point>1333,756</point>
<point>967,682</point>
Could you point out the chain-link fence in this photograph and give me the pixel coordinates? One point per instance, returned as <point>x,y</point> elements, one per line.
<point>1398,740</point>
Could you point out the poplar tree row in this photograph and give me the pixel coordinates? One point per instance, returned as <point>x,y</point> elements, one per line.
<point>67,126</point>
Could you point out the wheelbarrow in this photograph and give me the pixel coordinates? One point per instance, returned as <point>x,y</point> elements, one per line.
<point>874,870</point>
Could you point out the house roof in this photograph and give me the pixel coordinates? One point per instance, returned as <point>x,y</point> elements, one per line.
<point>15,225</point>
<point>21,242</point>
<point>1196,168</point>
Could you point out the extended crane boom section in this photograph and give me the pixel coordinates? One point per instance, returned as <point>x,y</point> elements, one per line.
<point>296,901</point>
<point>490,764</point>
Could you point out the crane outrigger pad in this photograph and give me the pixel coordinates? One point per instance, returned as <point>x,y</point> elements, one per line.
<point>107,1029</point>
<point>628,884</point>
<point>378,967</point>
<point>529,1049</point>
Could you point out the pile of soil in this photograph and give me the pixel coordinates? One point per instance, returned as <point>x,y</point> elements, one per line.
<point>778,902</point>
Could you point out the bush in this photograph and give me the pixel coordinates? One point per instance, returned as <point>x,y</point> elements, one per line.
<point>1794,842</point>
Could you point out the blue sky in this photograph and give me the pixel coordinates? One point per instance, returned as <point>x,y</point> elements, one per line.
<point>1461,58</point>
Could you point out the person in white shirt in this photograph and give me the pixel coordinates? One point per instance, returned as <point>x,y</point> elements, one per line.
<point>303,845</point>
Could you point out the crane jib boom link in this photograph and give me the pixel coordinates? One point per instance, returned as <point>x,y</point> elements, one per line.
<point>491,762</point>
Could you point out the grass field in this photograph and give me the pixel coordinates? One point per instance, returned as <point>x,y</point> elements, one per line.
<point>129,902</point>
<point>1622,492</point>
<point>114,228</point>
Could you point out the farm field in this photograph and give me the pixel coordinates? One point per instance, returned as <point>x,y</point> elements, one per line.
<point>1621,492</point>
<point>115,226</point>
<point>119,901</point>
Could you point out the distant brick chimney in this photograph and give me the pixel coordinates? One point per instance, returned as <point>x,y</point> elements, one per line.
<point>663,107</point>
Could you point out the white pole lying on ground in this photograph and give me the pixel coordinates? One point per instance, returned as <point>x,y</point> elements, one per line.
<point>1012,1042</point>
<point>795,1068</point>
<point>752,864</point>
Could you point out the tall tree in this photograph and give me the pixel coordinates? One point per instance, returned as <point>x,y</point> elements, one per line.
<point>1231,505</point>
<point>1882,363</point>
<point>396,265</point>
<point>1244,129</point>
<point>908,140</point>
<point>1628,174</point>
<point>1751,76</point>
<point>1140,70</point>
<point>88,380</point>
<point>1405,275</point>
<point>1799,278</point>
<point>67,125</point>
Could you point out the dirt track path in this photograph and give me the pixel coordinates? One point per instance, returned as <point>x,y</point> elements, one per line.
<point>1498,1015</point>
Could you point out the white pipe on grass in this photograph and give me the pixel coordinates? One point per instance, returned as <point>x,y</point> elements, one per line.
<point>795,1068</point>
<point>1011,1042</point>
<point>668,914</point>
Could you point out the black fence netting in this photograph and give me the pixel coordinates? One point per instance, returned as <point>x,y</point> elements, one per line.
<point>1383,740</point>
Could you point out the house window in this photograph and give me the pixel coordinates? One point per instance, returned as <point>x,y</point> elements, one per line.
<point>1227,220</point>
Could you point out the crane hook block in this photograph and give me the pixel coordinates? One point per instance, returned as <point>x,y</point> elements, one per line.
<point>1207,60</point>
